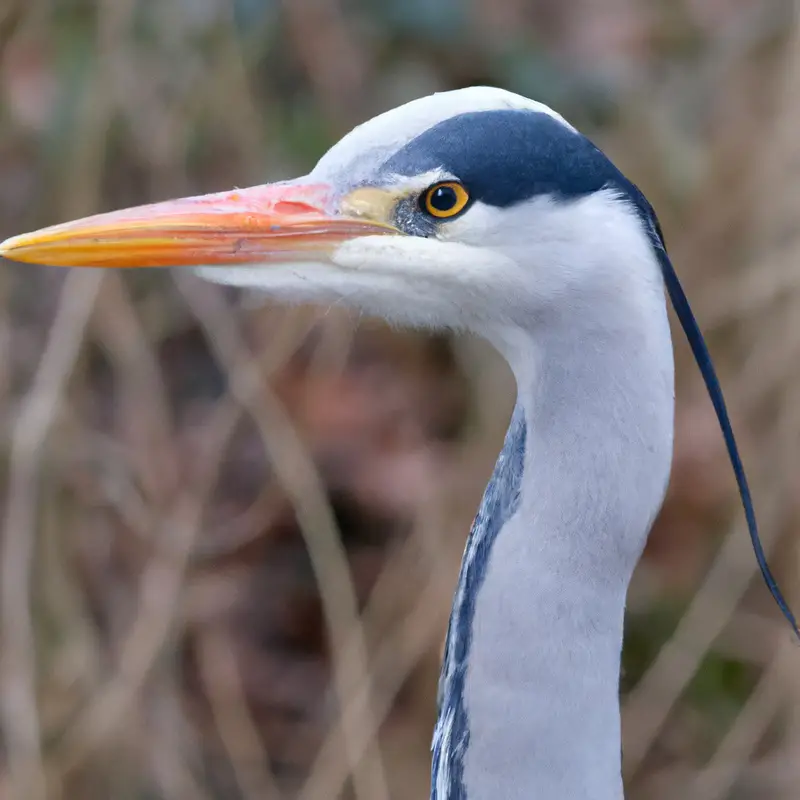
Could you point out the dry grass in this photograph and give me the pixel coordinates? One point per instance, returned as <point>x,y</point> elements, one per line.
<point>230,533</point>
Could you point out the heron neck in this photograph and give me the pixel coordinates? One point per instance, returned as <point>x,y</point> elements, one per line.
<point>531,675</point>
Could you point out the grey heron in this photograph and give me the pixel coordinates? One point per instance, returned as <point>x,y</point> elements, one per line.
<point>484,211</point>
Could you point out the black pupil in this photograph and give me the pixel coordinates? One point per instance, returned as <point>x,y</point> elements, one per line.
<point>443,198</point>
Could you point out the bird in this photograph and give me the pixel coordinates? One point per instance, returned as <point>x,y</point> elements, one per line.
<point>479,210</point>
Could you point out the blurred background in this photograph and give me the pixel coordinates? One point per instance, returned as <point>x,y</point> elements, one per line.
<point>231,531</point>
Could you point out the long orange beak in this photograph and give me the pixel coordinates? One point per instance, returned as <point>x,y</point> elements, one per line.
<point>260,225</point>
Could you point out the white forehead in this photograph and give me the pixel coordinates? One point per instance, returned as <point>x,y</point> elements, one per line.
<point>369,144</point>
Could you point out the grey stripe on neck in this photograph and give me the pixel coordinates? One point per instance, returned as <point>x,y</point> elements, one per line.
<point>500,501</point>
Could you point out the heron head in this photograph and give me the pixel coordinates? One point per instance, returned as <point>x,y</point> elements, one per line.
<point>463,209</point>
<point>474,209</point>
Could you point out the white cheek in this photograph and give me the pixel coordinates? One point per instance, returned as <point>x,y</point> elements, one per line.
<point>417,257</point>
<point>474,227</point>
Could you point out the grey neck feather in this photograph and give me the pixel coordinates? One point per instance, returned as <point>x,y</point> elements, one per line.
<point>529,702</point>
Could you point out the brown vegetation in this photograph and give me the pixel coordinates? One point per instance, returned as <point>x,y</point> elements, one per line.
<point>231,531</point>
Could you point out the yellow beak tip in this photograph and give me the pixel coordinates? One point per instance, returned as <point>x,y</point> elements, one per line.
<point>20,248</point>
<point>9,245</point>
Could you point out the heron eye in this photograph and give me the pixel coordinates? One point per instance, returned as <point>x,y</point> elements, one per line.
<point>444,200</point>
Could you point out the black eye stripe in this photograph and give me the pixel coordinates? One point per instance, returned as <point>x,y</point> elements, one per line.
<point>508,156</point>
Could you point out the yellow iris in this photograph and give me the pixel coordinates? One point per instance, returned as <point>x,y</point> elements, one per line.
<point>446,199</point>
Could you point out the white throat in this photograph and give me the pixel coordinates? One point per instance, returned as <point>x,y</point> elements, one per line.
<point>541,685</point>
